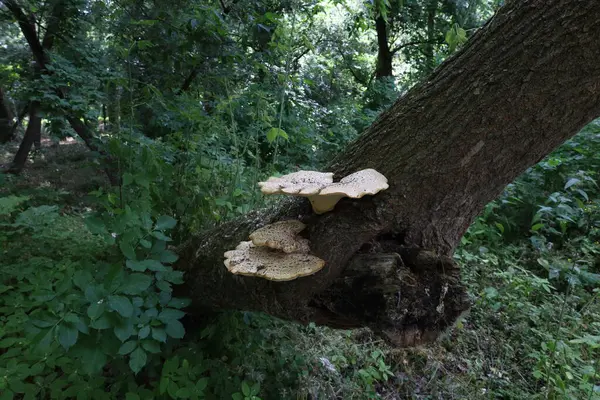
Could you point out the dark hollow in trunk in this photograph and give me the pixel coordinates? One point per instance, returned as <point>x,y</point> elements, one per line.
<point>524,84</point>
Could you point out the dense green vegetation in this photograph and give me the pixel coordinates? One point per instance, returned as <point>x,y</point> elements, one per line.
<point>186,105</point>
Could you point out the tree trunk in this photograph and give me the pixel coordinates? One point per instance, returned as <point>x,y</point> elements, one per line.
<point>429,54</point>
<point>521,86</point>
<point>17,123</point>
<point>384,54</point>
<point>33,131</point>
<point>113,109</point>
<point>5,119</point>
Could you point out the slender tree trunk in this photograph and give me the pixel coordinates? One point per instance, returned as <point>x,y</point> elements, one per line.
<point>6,118</point>
<point>33,130</point>
<point>521,86</point>
<point>429,50</point>
<point>113,109</point>
<point>384,55</point>
<point>17,123</point>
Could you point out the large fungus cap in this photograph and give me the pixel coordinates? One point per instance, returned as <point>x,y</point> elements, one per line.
<point>301,183</point>
<point>320,189</point>
<point>249,260</point>
<point>282,235</point>
<point>356,185</point>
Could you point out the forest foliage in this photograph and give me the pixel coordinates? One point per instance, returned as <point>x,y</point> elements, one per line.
<point>186,105</point>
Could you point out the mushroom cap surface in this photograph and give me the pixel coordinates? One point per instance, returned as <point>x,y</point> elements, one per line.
<point>249,260</point>
<point>301,183</point>
<point>282,235</point>
<point>357,185</point>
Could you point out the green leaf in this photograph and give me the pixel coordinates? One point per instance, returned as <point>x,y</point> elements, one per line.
<point>121,304</point>
<point>137,360</point>
<point>151,346</point>
<point>67,335</point>
<point>144,332</point>
<point>43,339</point>
<point>164,384</point>
<point>165,222</point>
<point>16,385</point>
<point>500,227</point>
<point>168,257</point>
<point>537,227</point>
<point>95,310</point>
<point>202,384</point>
<point>127,179</point>
<point>175,329</point>
<point>571,182</point>
<point>172,389</point>
<point>255,389</point>
<point>136,283</point>
<point>177,302</point>
<point>96,225</point>
<point>81,279</point>
<point>127,250</point>
<point>164,286</point>
<point>159,334</point>
<point>161,236</point>
<point>8,342</point>
<point>156,266</point>
<point>101,323</point>
<point>132,396</point>
<point>127,347</point>
<point>124,330</point>
<point>274,133</point>
<point>246,389</point>
<point>94,360</point>
<point>170,314</point>
<point>141,266</point>
<point>183,393</point>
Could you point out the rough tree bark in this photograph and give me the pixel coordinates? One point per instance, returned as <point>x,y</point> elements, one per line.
<point>521,86</point>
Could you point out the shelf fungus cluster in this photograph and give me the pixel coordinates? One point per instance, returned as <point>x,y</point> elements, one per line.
<point>320,189</point>
<point>275,252</point>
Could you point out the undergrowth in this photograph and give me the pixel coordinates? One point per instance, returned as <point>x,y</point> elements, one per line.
<point>87,309</point>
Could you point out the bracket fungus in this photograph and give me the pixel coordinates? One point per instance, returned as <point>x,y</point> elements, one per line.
<point>282,235</point>
<point>355,186</point>
<point>275,252</point>
<point>320,189</point>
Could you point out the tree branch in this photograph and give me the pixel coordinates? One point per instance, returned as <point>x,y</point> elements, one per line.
<point>413,43</point>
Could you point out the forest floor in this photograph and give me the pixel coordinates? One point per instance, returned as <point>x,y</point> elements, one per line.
<point>65,167</point>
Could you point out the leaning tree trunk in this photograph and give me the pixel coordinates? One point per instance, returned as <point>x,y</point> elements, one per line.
<point>521,86</point>
<point>34,127</point>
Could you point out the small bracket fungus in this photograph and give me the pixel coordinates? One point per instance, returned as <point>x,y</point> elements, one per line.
<point>250,260</point>
<point>320,189</point>
<point>282,235</point>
